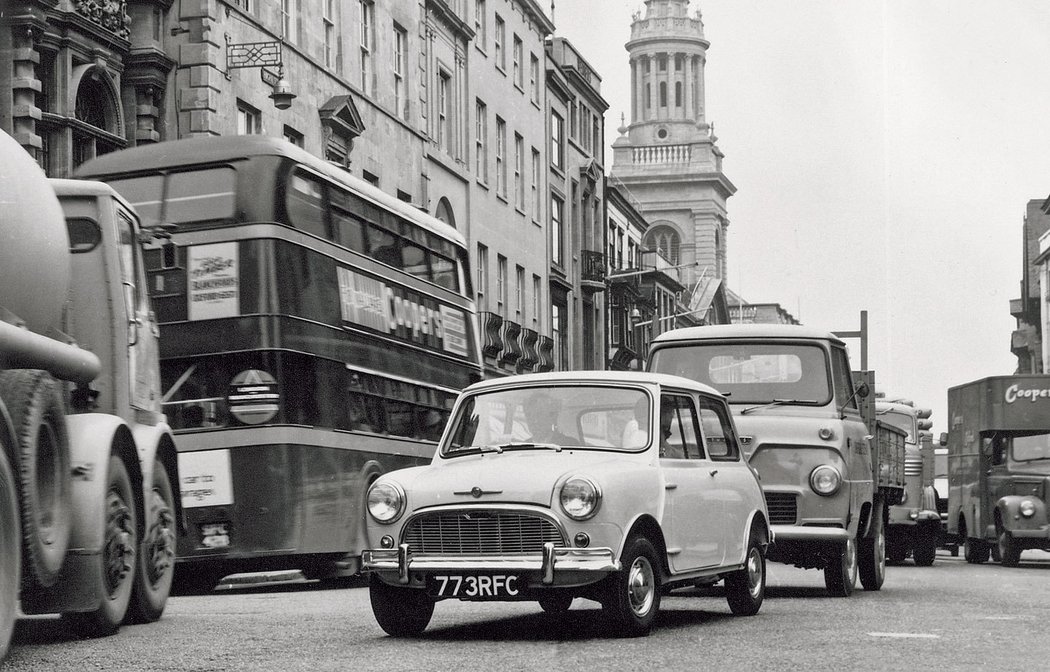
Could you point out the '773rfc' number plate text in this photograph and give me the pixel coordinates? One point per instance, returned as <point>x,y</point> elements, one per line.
<point>477,587</point>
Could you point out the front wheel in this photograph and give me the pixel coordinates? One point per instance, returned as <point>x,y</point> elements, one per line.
<point>633,594</point>
<point>1009,550</point>
<point>975,551</point>
<point>925,552</point>
<point>118,557</point>
<point>840,576</point>
<point>156,565</point>
<point>401,612</point>
<point>873,557</point>
<point>746,588</point>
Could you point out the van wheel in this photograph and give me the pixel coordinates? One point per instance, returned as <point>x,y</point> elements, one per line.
<point>156,563</point>
<point>746,588</point>
<point>872,558</point>
<point>10,540</point>
<point>119,544</point>
<point>840,576</point>
<point>44,473</point>
<point>632,597</point>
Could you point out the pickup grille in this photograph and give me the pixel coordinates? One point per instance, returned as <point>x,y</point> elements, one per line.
<point>783,508</point>
<point>480,532</point>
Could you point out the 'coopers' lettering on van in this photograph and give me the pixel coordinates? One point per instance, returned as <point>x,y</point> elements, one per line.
<point>1014,392</point>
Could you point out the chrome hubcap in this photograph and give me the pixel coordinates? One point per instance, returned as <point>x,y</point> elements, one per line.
<point>119,552</point>
<point>160,539</point>
<point>641,586</point>
<point>754,573</point>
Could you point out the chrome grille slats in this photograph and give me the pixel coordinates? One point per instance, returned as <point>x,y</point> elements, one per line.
<point>480,532</point>
<point>783,508</point>
<point>913,466</point>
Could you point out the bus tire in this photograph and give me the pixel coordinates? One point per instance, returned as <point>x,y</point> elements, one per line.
<point>400,612</point>
<point>43,470</point>
<point>10,544</point>
<point>156,561</point>
<point>119,546</point>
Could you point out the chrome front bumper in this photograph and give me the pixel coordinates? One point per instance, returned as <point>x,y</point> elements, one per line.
<point>552,559</point>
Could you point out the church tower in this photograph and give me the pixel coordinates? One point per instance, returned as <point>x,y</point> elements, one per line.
<point>667,159</point>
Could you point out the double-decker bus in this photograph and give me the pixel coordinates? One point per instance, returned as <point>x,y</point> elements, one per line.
<point>314,334</point>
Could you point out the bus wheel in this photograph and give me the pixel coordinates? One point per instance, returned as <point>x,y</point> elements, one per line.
<point>10,539</point>
<point>840,576</point>
<point>119,542</point>
<point>401,612</point>
<point>42,465</point>
<point>156,565</point>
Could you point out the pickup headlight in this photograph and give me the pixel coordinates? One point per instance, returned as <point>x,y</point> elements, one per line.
<point>825,480</point>
<point>386,502</point>
<point>1027,508</point>
<point>580,498</point>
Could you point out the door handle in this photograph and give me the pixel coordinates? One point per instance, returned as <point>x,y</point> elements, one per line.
<point>714,471</point>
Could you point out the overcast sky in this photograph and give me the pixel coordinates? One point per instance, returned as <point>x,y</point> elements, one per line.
<point>883,153</point>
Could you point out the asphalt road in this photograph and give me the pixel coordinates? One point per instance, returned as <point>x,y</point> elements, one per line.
<point>946,617</point>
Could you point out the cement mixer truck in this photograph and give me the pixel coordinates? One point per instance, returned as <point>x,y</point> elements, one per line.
<point>88,519</point>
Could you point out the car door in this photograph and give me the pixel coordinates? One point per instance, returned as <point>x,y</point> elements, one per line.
<point>694,512</point>
<point>733,482</point>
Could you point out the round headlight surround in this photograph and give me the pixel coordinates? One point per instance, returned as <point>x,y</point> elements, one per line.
<point>1026,508</point>
<point>580,497</point>
<point>825,480</point>
<point>386,502</point>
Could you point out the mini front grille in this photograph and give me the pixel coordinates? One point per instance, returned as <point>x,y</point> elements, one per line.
<point>480,532</point>
<point>913,466</point>
<point>783,508</point>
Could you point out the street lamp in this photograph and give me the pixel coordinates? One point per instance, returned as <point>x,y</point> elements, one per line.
<point>259,55</point>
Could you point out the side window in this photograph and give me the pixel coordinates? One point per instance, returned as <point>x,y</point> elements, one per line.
<point>305,205</point>
<point>718,430</point>
<point>679,430</point>
<point>840,371</point>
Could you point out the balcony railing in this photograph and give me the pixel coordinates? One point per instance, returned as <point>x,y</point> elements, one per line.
<point>592,266</point>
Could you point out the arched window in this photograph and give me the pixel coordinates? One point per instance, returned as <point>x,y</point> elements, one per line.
<point>666,240</point>
<point>444,212</point>
<point>95,105</point>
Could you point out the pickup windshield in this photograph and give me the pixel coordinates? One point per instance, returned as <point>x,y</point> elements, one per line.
<point>552,417</point>
<point>1031,447</point>
<point>752,372</point>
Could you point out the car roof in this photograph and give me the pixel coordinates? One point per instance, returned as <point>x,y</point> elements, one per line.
<point>595,377</point>
<point>717,331</point>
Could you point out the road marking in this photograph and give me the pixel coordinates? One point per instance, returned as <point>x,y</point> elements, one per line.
<point>905,635</point>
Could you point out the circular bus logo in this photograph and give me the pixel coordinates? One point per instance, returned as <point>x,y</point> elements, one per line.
<point>253,397</point>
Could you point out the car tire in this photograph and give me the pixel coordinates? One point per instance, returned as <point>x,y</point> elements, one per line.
<point>872,557</point>
<point>840,575</point>
<point>1009,550</point>
<point>156,562</point>
<point>556,604</point>
<point>632,597</point>
<point>746,588</point>
<point>400,612</point>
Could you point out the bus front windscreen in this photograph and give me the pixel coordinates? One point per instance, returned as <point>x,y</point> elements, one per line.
<point>205,195</point>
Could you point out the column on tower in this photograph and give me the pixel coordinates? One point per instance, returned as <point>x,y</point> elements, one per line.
<point>654,93</point>
<point>687,93</point>
<point>634,89</point>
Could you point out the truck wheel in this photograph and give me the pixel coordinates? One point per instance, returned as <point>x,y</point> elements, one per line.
<point>10,541</point>
<point>1009,550</point>
<point>119,543</point>
<point>746,588</point>
<point>925,551</point>
<point>401,612</point>
<point>632,597</point>
<point>872,557</point>
<point>975,551</point>
<point>42,464</point>
<point>156,562</point>
<point>840,576</point>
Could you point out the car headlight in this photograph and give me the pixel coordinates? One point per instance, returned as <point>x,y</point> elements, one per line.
<point>1027,508</point>
<point>580,498</point>
<point>825,480</point>
<point>386,502</point>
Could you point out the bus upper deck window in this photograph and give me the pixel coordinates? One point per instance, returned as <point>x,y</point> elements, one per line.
<point>444,271</point>
<point>382,246</point>
<point>305,205</point>
<point>200,195</point>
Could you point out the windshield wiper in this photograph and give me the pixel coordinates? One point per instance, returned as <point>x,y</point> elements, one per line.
<point>511,446</point>
<point>777,402</point>
<point>500,447</point>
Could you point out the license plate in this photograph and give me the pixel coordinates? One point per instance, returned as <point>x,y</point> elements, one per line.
<point>477,587</point>
<point>215,535</point>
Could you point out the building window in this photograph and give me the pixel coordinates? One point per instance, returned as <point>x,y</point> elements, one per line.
<point>666,241</point>
<point>661,63</point>
<point>481,129</point>
<point>483,270</point>
<point>400,63</point>
<point>585,127</point>
<point>557,138</point>
<point>480,25</point>
<point>537,167</point>
<point>537,300</point>
<point>501,157</point>
<point>557,212</point>
<point>293,136</point>
<point>500,37</point>
<point>648,97</point>
<point>572,119</point>
<point>444,92</point>
<point>371,178</point>
<point>516,56</point>
<point>368,41</point>
<point>249,119</point>
<point>328,21</point>
<point>663,94</point>
<point>534,78</point>
<point>677,94</point>
<point>501,284</point>
<point>559,332</point>
<point>519,294</point>
<point>519,172</point>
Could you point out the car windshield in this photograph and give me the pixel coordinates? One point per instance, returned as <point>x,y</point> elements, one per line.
<point>752,373</point>
<point>552,417</point>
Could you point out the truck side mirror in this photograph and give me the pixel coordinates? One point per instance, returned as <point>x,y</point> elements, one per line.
<point>863,390</point>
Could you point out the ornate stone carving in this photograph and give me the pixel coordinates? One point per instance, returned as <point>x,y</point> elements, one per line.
<point>110,14</point>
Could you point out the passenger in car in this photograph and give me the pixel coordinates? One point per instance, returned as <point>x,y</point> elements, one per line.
<point>541,414</point>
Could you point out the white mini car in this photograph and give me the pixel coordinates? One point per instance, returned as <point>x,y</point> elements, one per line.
<point>612,486</point>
